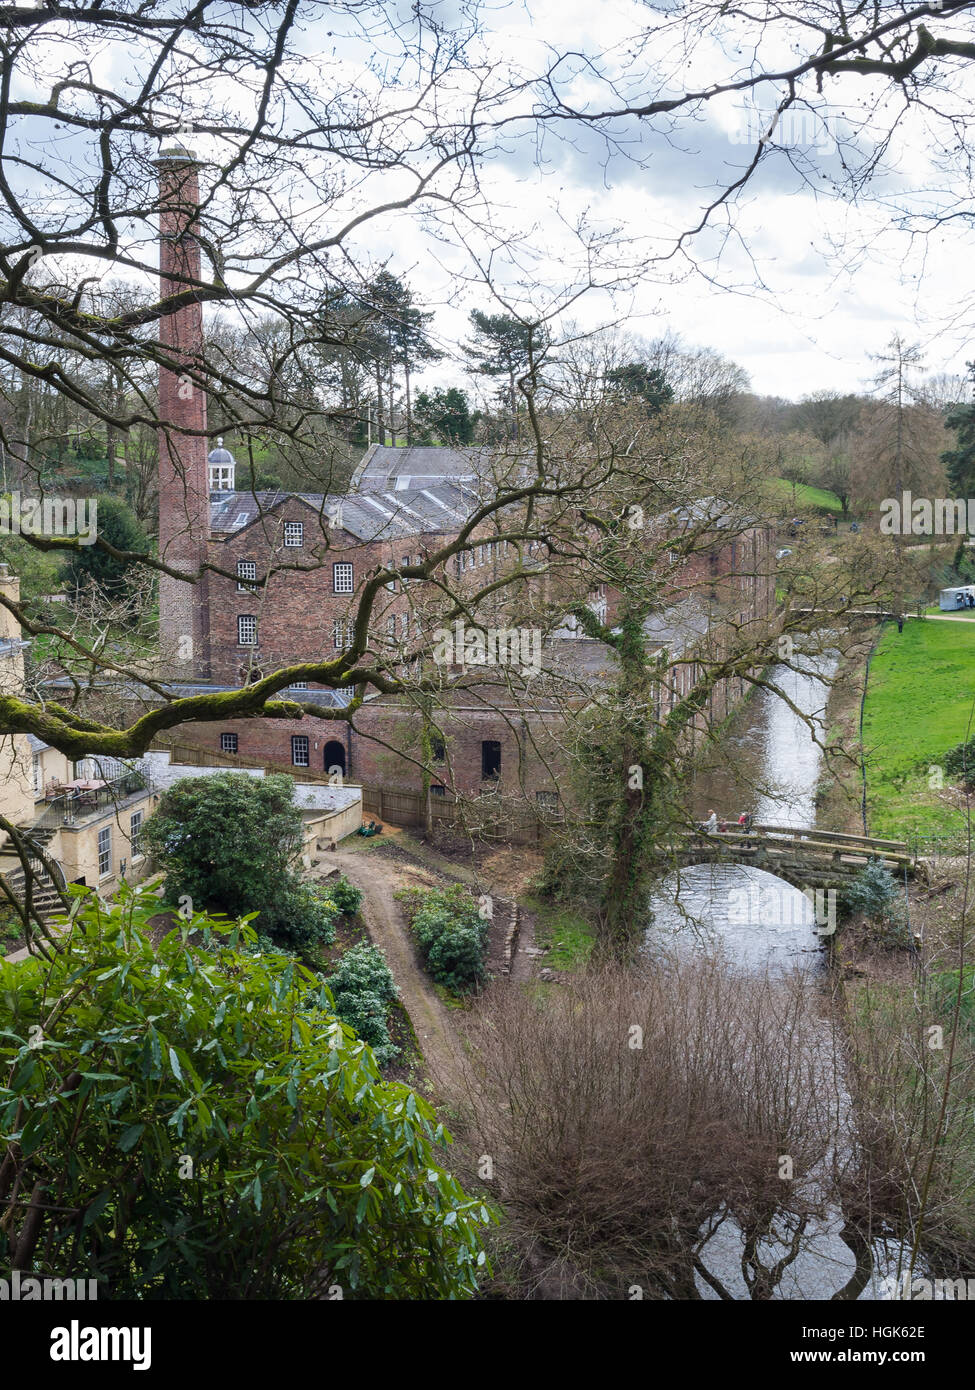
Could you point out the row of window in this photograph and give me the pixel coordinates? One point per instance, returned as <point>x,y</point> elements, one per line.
<point>105,843</point>
<point>343,574</point>
<point>335,754</point>
<point>480,555</point>
<point>343,633</point>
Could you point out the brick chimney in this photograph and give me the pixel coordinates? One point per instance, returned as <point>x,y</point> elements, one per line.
<point>184,492</point>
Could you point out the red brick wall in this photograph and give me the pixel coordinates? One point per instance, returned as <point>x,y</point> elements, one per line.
<point>296,612</point>
<point>184,502</point>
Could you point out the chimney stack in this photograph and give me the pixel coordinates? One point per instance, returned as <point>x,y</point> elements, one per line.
<point>184,494</point>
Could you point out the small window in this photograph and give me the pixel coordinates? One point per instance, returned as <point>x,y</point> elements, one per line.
<point>135,834</point>
<point>490,758</point>
<point>342,575</point>
<point>404,626</point>
<point>480,555</point>
<point>246,631</point>
<point>294,534</point>
<point>299,750</point>
<point>438,750</point>
<point>342,634</point>
<point>246,569</point>
<point>105,852</point>
<point>298,685</point>
<point>391,627</point>
<point>228,743</point>
<point>438,789</point>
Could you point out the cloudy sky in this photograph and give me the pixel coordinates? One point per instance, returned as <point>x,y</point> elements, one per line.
<point>796,284</point>
<point>811,285</point>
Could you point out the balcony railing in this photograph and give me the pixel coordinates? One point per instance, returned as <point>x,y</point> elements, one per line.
<point>77,807</point>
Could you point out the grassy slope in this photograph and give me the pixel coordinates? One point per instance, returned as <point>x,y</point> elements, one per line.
<point>808,496</point>
<point>919,704</point>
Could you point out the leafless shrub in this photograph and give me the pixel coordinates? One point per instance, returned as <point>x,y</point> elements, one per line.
<point>631,1110</point>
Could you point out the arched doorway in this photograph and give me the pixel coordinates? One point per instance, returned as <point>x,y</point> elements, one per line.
<point>334,756</point>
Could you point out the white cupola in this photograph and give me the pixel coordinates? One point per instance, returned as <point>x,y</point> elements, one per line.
<point>223,467</point>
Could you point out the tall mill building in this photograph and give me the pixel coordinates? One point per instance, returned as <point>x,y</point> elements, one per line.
<point>226,630</point>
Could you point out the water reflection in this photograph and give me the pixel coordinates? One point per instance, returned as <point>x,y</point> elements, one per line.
<point>755,919</point>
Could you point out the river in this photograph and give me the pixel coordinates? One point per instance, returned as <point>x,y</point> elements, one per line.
<point>770,766</point>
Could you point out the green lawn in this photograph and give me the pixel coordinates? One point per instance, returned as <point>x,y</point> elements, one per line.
<point>952,612</point>
<point>806,496</point>
<point>568,937</point>
<point>920,703</point>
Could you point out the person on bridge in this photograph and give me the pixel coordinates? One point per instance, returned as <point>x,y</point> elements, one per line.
<point>711,824</point>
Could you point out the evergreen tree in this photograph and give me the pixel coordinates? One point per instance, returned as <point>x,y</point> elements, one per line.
<point>504,347</point>
<point>445,416</point>
<point>960,461</point>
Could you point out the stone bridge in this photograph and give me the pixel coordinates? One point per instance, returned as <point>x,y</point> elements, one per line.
<point>803,856</point>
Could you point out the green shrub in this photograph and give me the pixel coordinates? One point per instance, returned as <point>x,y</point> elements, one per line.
<point>230,843</point>
<point>308,1170</point>
<point>875,894</point>
<point>362,988</point>
<point>451,933</point>
<point>346,897</point>
<point>303,915</point>
<point>960,762</point>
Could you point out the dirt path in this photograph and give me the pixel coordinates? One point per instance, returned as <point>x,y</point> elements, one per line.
<point>387,927</point>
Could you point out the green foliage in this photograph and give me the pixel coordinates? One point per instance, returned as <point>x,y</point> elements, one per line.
<point>874,893</point>
<point>444,416</point>
<point>451,933</point>
<point>960,762</point>
<point>346,897</point>
<point>637,381</point>
<point>39,571</point>
<point>362,989</point>
<point>303,915</point>
<point>193,1123</point>
<point>116,523</point>
<point>960,461</point>
<point>229,843</point>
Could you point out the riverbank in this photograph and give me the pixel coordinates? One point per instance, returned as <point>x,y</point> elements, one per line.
<point>898,1006</point>
<point>919,704</point>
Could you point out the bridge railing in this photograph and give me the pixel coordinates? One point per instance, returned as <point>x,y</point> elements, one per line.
<point>806,839</point>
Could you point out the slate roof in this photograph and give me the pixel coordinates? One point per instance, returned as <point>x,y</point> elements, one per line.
<point>373,515</point>
<point>328,699</point>
<point>416,466</point>
<point>677,628</point>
